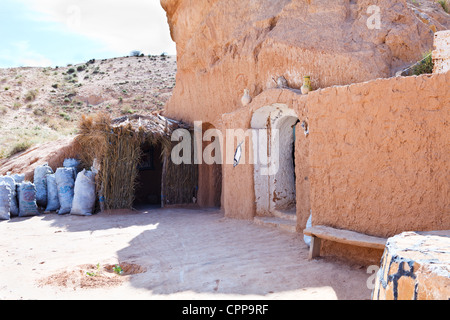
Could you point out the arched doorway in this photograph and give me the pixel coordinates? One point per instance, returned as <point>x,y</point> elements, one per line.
<point>210,174</point>
<point>274,168</point>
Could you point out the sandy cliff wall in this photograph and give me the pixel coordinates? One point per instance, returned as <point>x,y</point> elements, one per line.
<point>224,46</point>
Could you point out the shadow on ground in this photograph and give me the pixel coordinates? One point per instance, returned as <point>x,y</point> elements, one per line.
<point>201,251</point>
<point>198,250</point>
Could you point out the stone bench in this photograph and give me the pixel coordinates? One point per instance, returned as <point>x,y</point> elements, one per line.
<point>343,236</point>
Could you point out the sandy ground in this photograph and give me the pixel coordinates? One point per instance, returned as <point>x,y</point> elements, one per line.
<point>180,254</point>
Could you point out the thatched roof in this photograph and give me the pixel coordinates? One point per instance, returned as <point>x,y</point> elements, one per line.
<point>154,128</point>
<point>152,124</point>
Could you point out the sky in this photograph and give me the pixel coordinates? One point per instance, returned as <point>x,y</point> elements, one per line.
<point>42,33</point>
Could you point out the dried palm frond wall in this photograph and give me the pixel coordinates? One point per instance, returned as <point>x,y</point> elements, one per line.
<point>119,167</point>
<point>116,144</point>
<point>179,182</point>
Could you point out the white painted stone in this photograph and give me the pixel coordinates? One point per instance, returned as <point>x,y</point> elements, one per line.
<point>441,54</point>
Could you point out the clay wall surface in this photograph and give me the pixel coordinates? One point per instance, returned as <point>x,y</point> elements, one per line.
<point>238,182</point>
<point>380,155</point>
<point>376,159</point>
<point>238,185</point>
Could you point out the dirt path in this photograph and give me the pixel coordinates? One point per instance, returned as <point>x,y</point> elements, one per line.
<point>180,254</point>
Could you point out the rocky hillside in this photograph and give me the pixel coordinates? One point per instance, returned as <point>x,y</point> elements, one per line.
<point>42,104</point>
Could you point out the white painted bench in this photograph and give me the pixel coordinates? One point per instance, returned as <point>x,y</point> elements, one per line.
<point>343,236</point>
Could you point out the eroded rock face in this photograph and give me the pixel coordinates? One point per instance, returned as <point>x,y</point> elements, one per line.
<point>225,46</point>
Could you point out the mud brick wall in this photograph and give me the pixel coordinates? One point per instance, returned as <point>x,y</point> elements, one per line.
<point>379,155</point>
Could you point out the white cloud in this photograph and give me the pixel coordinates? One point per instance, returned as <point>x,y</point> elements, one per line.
<point>121,26</point>
<point>20,54</point>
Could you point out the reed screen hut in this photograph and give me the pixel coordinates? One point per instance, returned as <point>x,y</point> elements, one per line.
<point>133,157</point>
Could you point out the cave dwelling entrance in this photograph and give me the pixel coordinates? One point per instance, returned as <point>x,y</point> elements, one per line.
<point>274,152</point>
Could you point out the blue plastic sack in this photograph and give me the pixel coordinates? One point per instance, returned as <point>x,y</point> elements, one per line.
<point>84,196</point>
<point>14,207</point>
<point>307,239</point>
<point>71,163</point>
<point>5,201</point>
<point>27,199</point>
<point>65,181</point>
<point>40,181</point>
<point>18,178</point>
<point>52,194</point>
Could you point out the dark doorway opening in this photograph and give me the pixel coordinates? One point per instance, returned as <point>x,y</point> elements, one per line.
<point>148,182</point>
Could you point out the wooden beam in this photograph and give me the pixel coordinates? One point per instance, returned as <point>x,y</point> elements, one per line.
<point>345,236</point>
<point>314,249</point>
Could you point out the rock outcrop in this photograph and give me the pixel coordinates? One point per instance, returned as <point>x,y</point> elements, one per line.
<point>53,153</point>
<point>226,46</point>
